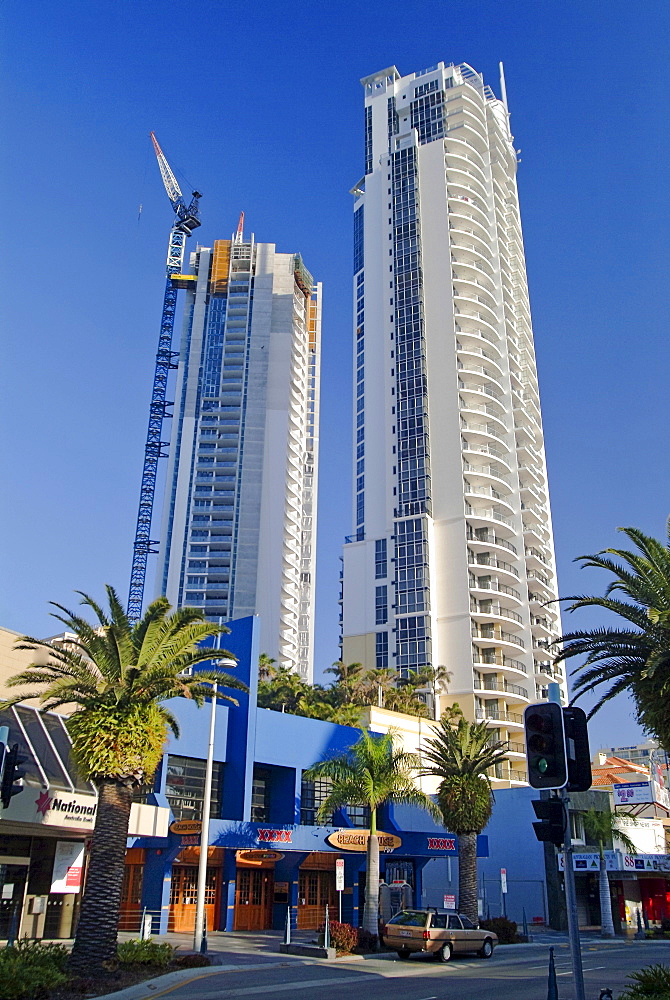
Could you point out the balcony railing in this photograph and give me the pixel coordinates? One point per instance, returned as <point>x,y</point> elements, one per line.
<point>495,632</point>
<point>498,715</point>
<point>502,686</point>
<point>500,588</point>
<point>490,513</point>
<point>493,608</point>
<point>490,538</point>
<point>487,560</point>
<point>499,660</point>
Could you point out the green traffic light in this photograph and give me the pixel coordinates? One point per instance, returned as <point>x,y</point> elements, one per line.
<point>542,765</point>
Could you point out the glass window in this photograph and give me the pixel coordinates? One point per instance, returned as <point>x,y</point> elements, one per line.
<point>454,923</point>
<point>312,794</point>
<point>381,649</point>
<point>185,787</point>
<point>467,923</point>
<point>438,921</point>
<point>381,562</point>
<point>260,796</point>
<point>359,816</point>
<point>410,918</point>
<point>381,605</point>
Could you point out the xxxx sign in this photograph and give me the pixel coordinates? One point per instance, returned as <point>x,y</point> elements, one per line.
<point>274,836</point>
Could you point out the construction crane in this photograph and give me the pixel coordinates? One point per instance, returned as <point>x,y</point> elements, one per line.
<point>186,220</point>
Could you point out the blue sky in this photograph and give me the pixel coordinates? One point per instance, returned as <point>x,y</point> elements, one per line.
<point>260,107</point>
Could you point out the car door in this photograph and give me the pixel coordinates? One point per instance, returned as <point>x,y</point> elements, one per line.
<point>474,938</point>
<point>456,934</point>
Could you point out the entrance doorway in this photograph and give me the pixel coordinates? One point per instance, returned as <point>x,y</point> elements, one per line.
<point>315,890</point>
<point>184,896</point>
<point>12,883</point>
<point>254,892</point>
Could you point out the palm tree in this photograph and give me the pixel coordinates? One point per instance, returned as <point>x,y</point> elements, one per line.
<point>117,675</point>
<point>348,677</point>
<point>637,658</point>
<point>371,772</point>
<point>461,755</point>
<point>600,827</point>
<point>265,665</point>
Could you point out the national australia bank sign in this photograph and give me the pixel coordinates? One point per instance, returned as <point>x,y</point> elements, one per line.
<point>52,808</point>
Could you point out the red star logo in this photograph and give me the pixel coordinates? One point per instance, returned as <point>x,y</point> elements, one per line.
<point>43,803</point>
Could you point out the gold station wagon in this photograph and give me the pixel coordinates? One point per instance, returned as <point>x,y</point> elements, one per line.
<point>438,933</point>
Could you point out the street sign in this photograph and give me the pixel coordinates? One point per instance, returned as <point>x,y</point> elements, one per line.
<point>449,901</point>
<point>503,880</point>
<point>339,874</point>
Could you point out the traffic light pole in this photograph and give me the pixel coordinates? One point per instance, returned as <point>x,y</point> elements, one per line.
<point>571,903</point>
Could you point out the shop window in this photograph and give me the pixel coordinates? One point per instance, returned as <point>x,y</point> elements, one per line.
<point>185,787</point>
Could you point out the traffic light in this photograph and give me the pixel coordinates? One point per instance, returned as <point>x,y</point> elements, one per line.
<point>545,745</point>
<point>11,782</point>
<point>551,828</point>
<point>577,746</point>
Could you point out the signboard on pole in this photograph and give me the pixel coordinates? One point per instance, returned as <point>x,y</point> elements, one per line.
<point>503,880</point>
<point>339,874</point>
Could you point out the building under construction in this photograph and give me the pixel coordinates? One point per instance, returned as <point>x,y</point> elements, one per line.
<point>239,514</point>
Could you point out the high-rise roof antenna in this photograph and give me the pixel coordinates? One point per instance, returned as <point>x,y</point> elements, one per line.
<point>503,88</point>
<point>239,235</point>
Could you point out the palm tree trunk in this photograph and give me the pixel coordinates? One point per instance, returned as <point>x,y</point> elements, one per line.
<point>606,921</point>
<point>371,909</point>
<point>467,875</point>
<point>95,940</point>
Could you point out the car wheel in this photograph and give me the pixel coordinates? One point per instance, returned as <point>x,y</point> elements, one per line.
<point>403,953</point>
<point>444,954</point>
<point>486,949</point>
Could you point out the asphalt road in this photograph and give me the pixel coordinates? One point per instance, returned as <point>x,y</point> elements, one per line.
<point>518,975</point>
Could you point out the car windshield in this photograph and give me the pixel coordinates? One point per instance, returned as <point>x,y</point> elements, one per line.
<point>410,918</point>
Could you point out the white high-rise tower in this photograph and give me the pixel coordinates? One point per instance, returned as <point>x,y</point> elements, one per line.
<point>451,561</point>
<point>239,520</point>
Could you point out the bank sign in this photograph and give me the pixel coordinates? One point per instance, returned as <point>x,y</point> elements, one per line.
<point>52,808</point>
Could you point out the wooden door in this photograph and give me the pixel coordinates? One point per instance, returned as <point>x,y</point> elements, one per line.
<point>183,897</point>
<point>131,898</point>
<point>315,889</point>
<point>254,890</point>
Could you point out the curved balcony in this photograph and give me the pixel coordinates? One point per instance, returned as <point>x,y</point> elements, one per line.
<point>472,351</point>
<point>489,451</point>
<point>494,633</point>
<point>488,537</point>
<point>472,308</point>
<point>480,388</point>
<point>464,177</point>
<point>489,493</point>
<point>495,661</point>
<point>455,146</point>
<point>482,430</point>
<point>471,207</point>
<point>461,235</point>
<point>472,271</point>
<point>481,589</point>
<point>536,560</point>
<point>483,516</point>
<point>483,475</point>
<point>462,219</point>
<point>502,687</point>
<point>498,715</point>
<point>487,560</point>
<point>492,609</point>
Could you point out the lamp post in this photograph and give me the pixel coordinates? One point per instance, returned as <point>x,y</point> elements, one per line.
<point>199,931</point>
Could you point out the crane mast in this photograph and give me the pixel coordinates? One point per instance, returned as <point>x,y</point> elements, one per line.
<point>186,220</point>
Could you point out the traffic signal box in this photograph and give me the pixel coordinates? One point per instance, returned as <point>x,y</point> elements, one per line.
<point>11,782</point>
<point>545,745</point>
<point>557,745</point>
<point>551,828</point>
